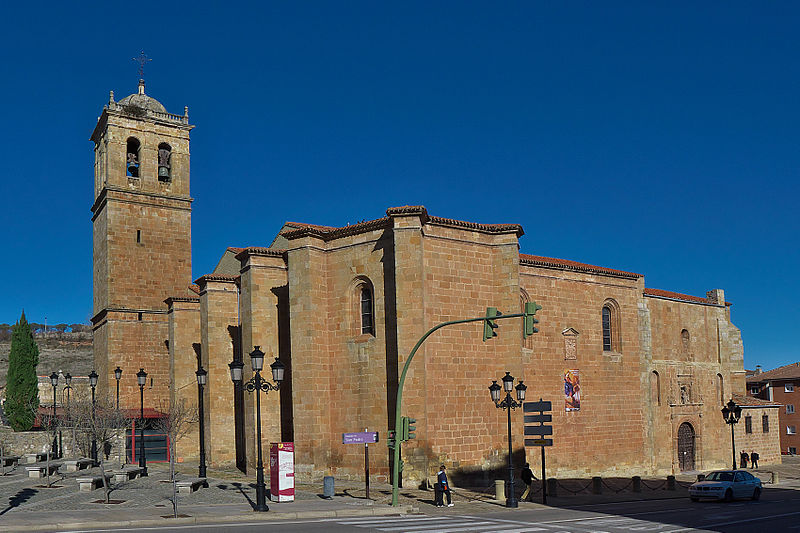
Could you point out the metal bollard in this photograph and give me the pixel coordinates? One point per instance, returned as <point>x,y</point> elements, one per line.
<point>327,487</point>
<point>670,482</point>
<point>552,484</point>
<point>637,483</point>
<point>597,485</point>
<point>775,478</point>
<point>499,490</point>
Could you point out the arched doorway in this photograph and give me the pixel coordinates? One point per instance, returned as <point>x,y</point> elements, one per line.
<point>686,447</point>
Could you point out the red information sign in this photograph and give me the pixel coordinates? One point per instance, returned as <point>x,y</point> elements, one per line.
<point>281,471</point>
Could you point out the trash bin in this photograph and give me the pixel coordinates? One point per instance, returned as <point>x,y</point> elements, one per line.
<point>327,487</point>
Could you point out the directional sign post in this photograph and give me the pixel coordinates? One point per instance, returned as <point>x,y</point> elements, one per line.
<point>535,427</point>
<point>365,437</point>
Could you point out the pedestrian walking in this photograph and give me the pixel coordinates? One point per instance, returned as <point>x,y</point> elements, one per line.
<point>442,487</point>
<point>743,458</point>
<point>753,459</point>
<point>527,478</point>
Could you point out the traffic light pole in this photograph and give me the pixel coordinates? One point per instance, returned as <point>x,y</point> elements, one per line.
<point>398,417</point>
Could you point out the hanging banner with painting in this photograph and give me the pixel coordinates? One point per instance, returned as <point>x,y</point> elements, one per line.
<point>572,390</point>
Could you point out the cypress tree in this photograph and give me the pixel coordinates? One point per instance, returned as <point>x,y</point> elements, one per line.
<point>22,390</point>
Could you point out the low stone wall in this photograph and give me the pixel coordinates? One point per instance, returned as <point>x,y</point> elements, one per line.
<point>22,442</point>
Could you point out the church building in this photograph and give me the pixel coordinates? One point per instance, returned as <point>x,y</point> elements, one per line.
<point>636,376</point>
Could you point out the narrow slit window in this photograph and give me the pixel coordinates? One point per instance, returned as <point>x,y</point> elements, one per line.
<point>367,323</point>
<point>748,424</point>
<point>140,317</point>
<point>138,236</point>
<point>765,423</point>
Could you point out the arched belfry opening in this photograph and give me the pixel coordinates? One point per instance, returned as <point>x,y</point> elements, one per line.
<point>132,159</point>
<point>164,162</point>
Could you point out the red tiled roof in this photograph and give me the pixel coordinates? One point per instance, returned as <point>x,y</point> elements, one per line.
<point>234,249</point>
<point>215,277</point>
<point>258,250</point>
<point>790,371</point>
<point>538,260</point>
<point>301,225</point>
<point>749,401</point>
<point>659,293</point>
<point>194,288</point>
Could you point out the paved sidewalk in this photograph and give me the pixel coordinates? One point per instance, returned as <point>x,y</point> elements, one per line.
<point>26,505</point>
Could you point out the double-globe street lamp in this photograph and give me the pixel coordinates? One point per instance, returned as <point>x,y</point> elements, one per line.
<point>202,379</point>
<point>141,378</point>
<point>732,413</point>
<point>508,404</point>
<point>256,384</point>
<point>93,384</point>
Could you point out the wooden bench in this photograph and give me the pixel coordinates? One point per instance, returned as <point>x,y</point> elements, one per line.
<point>89,483</point>
<point>78,464</point>
<point>42,470</point>
<point>9,460</point>
<point>130,472</point>
<point>34,457</point>
<point>187,486</point>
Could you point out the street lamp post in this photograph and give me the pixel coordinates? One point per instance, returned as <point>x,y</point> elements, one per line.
<point>731,413</point>
<point>67,387</point>
<point>117,376</point>
<point>202,379</point>
<point>54,382</point>
<point>508,404</point>
<point>93,384</point>
<point>256,384</point>
<point>141,378</point>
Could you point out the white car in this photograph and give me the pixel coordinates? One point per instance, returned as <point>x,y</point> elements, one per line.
<point>726,485</point>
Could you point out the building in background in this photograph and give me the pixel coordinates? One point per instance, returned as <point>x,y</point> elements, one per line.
<point>782,386</point>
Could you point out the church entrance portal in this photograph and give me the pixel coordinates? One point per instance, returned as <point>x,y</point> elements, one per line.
<point>686,447</point>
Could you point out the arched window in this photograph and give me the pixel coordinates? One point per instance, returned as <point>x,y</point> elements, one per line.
<point>367,322</point>
<point>132,159</point>
<point>164,156</point>
<point>655,388</point>
<point>607,333</point>
<point>685,343</point>
<point>611,327</point>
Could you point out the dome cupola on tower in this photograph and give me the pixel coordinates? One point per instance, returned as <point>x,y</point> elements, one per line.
<point>141,100</point>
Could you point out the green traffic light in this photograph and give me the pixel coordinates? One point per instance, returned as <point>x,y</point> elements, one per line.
<point>489,325</point>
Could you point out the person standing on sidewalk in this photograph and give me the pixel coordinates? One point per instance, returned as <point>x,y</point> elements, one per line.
<point>754,459</point>
<point>443,487</point>
<point>527,478</point>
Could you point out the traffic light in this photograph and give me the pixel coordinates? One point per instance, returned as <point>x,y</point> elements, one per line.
<point>391,441</point>
<point>409,427</point>
<point>489,325</point>
<point>529,319</point>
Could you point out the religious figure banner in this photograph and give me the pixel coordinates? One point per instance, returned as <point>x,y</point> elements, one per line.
<point>572,390</point>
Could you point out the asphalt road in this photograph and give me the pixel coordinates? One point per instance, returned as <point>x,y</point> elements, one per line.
<point>778,510</point>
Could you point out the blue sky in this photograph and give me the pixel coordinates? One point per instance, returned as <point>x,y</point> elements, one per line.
<point>658,138</point>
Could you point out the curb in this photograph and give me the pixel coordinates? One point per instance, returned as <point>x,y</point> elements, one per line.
<point>237,518</point>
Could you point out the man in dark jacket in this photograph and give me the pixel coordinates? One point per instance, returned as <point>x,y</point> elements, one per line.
<point>527,478</point>
<point>442,487</point>
<point>754,459</point>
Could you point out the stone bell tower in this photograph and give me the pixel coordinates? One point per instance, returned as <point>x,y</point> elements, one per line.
<point>142,241</point>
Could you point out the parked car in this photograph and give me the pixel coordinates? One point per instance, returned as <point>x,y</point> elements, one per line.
<point>726,485</point>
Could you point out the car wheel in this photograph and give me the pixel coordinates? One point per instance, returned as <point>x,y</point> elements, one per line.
<point>756,493</point>
<point>729,495</point>
<point>694,499</point>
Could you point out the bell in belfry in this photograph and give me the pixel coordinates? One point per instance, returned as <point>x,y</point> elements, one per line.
<point>133,165</point>
<point>163,163</point>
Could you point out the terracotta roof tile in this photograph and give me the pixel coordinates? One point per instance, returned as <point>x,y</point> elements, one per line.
<point>749,401</point>
<point>194,288</point>
<point>675,296</point>
<point>538,260</point>
<point>790,371</point>
<point>234,249</point>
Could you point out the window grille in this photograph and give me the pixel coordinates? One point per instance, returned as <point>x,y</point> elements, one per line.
<point>607,329</point>
<point>765,423</point>
<point>748,424</point>
<point>367,325</point>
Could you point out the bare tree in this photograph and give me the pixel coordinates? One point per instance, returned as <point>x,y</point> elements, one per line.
<point>177,419</point>
<point>99,422</point>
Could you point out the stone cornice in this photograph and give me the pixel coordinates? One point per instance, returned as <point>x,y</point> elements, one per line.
<point>103,197</point>
<point>564,264</point>
<point>262,252</point>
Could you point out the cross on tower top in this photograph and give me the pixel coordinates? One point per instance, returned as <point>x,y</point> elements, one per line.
<point>142,59</point>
